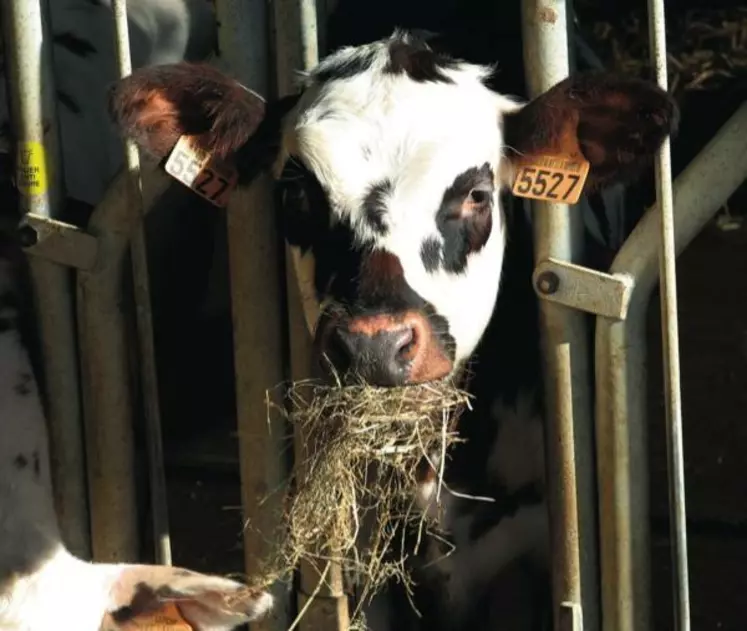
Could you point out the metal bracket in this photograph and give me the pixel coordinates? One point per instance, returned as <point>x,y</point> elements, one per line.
<point>571,617</point>
<point>57,241</point>
<point>582,288</point>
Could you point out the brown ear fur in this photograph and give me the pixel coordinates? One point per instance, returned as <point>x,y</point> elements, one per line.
<point>616,123</point>
<point>158,104</point>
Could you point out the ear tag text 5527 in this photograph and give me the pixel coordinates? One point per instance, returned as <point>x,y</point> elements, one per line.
<point>207,176</point>
<point>558,179</point>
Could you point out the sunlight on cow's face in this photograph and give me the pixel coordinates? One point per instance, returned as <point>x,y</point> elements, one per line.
<point>389,175</point>
<point>389,167</point>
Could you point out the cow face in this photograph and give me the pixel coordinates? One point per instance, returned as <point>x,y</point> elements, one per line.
<point>390,165</point>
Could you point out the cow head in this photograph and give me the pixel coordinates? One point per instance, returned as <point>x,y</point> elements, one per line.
<point>390,164</point>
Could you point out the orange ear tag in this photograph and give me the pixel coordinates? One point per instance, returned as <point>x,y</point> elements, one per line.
<point>167,618</point>
<point>558,179</point>
<point>207,176</point>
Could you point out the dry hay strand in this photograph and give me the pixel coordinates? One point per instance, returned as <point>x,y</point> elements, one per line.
<point>356,481</point>
<point>706,47</point>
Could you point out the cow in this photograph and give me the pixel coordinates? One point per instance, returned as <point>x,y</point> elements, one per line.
<point>392,164</point>
<point>42,585</point>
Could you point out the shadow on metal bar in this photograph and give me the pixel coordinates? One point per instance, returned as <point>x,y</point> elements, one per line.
<point>700,190</point>
<point>143,310</point>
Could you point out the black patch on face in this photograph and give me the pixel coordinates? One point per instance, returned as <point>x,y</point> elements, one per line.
<point>74,44</point>
<point>23,387</point>
<point>347,67</point>
<point>374,206</point>
<point>37,463</point>
<point>415,58</point>
<point>463,235</point>
<point>20,462</point>
<point>6,324</point>
<point>430,254</point>
<point>338,254</point>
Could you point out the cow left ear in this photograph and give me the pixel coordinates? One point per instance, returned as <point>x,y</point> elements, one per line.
<point>616,124</point>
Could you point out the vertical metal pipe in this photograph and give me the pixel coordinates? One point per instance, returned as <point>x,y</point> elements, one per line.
<point>256,302</point>
<point>670,337</point>
<point>297,48</point>
<point>700,190</point>
<point>107,392</point>
<point>569,429</point>
<point>39,180</point>
<point>141,281</point>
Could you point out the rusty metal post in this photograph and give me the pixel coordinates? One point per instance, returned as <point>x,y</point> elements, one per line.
<point>141,282</point>
<point>297,49</point>
<point>569,426</point>
<point>699,191</point>
<point>39,181</point>
<point>257,306</point>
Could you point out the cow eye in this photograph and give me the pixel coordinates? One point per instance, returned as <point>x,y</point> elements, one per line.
<point>478,200</point>
<point>479,196</point>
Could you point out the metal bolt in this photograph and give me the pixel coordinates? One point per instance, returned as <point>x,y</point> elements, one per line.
<point>27,236</point>
<point>548,283</point>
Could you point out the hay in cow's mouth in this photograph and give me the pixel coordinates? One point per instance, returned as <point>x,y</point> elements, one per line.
<point>362,448</point>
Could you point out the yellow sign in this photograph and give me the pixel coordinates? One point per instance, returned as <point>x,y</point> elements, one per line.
<point>31,168</point>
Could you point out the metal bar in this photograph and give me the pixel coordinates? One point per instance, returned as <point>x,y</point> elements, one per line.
<point>141,282</point>
<point>297,48</point>
<point>582,288</point>
<point>670,338</point>
<point>39,180</point>
<point>257,304</point>
<point>700,190</point>
<point>107,393</point>
<point>570,470</point>
<point>57,241</point>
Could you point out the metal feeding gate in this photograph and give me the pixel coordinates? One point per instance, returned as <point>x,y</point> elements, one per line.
<point>597,490</point>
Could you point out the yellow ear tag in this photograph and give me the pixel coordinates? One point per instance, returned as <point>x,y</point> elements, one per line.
<point>558,179</point>
<point>207,176</point>
<point>167,618</point>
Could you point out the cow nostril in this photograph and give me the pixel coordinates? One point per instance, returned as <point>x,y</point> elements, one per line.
<point>406,344</point>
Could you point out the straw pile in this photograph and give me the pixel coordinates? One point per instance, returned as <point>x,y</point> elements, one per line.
<point>357,480</point>
<point>707,47</point>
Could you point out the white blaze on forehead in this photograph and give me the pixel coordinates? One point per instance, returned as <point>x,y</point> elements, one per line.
<point>419,136</point>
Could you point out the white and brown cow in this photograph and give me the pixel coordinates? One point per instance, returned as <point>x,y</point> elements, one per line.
<point>391,164</point>
<point>42,586</point>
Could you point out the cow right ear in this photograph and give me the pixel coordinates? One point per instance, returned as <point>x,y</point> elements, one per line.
<point>155,106</point>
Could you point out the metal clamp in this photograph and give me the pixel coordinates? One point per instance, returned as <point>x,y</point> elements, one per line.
<point>57,241</point>
<point>582,288</point>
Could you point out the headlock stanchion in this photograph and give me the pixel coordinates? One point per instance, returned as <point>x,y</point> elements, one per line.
<point>39,181</point>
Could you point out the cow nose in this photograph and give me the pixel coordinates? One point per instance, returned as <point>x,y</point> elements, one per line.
<point>380,358</point>
<point>385,350</point>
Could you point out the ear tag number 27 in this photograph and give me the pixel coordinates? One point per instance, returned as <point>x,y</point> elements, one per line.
<point>552,179</point>
<point>205,175</point>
